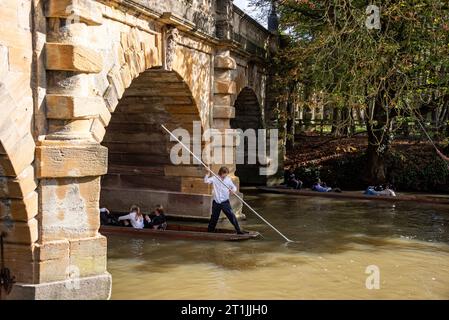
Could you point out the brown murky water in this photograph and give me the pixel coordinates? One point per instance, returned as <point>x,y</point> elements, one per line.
<point>336,241</point>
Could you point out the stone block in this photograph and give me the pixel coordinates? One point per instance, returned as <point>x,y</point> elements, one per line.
<point>223,112</point>
<point>223,99</point>
<point>19,259</point>
<point>115,79</point>
<point>51,250</point>
<point>20,209</point>
<point>18,152</point>
<point>19,187</point>
<point>58,160</point>
<point>69,57</point>
<point>98,130</point>
<point>225,87</point>
<point>125,73</point>
<point>72,107</point>
<point>89,255</point>
<point>69,208</point>
<point>87,288</point>
<point>111,98</point>
<point>22,232</point>
<point>193,185</point>
<point>185,171</point>
<point>86,11</point>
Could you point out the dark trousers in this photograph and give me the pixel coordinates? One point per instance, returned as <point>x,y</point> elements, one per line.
<point>216,210</point>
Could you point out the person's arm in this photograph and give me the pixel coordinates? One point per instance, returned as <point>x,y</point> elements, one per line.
<point>231,185</point>
<point>127,217</point>
<point>208,179</point>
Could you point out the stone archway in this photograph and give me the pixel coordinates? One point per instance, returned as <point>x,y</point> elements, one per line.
<point>18,196</point>
<point>248,115</point>
<point>139,166</point>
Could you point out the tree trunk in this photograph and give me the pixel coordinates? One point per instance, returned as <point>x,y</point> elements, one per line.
<point>290,143</point>
<point>336,117</point>
<point>376,173</point>
<point>379,126</point>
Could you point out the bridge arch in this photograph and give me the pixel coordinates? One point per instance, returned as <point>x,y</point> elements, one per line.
<point>139,167</point>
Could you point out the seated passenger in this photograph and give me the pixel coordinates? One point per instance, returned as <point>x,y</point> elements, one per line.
<point>134,218</point>
<point>107,219</point>
<point>371,191</point>
<point>292,181</point>
<point>321,187</point>
<point>104,216</point>
<point>159,221</point>
<point>387,191</point>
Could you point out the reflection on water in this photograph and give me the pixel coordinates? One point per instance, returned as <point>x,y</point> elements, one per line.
<point>335,242</point>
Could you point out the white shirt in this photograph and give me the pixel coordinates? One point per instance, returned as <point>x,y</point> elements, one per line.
<point>137,224</point>
<point>221,193</point>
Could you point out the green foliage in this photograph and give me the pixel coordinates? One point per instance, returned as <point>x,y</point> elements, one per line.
<point>411,171</point>
<point>418,172</point>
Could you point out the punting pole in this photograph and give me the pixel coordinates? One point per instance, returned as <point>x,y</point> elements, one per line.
<point>219,179</point>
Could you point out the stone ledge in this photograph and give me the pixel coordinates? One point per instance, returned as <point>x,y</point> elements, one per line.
<point>86,10</point>
<point>71,107</point>
<point>69,57</point>
<point>63,160</point>
<point>87,288</point>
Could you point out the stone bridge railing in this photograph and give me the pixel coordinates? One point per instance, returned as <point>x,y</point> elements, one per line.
<point>213,19</point>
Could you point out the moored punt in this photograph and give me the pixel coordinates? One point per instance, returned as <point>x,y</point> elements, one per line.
<point>358,195</point>
<point>180,232</point>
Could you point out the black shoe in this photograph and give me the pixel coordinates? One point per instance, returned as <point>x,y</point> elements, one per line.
<point>242,232</point>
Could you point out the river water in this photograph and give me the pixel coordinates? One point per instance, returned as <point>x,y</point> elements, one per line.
<point>335,242</point>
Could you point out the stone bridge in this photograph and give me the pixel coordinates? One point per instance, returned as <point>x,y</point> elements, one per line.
<point>84,87</point>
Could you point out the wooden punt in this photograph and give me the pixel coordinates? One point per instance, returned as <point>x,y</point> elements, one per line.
<point>442,200</point>
<point>180,232</point>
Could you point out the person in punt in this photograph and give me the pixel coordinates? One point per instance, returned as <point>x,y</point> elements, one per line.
<point>291,181</point>
<point>221,199</point>
<point>134,218</point>
<point>159,220</point>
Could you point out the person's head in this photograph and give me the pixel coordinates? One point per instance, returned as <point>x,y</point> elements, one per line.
<point>317,181</point>
<point>159,210</point>
<point>223,172</point>
<point>135,208</point>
